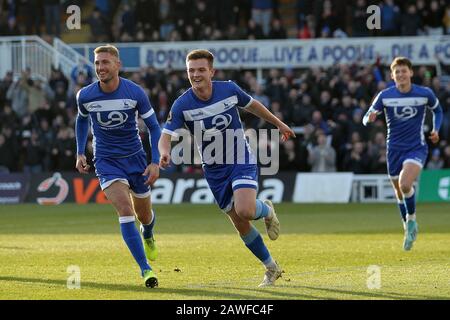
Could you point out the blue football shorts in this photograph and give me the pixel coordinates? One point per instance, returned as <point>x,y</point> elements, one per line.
<point>396,159</point>
<point>127,170</point>
<point>223,180</point>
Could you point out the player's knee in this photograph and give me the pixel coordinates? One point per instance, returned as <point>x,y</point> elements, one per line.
<point>405,187</point>
<point>246,213</point>
<point>125,210</point>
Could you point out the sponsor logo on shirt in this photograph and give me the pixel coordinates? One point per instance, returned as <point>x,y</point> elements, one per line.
<point>113,119</point>
<point>405,113</point>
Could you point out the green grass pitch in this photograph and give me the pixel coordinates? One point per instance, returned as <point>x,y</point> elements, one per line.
<point>325,251</point>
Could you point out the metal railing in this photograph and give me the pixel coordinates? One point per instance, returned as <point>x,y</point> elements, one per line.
<point>32,52</point>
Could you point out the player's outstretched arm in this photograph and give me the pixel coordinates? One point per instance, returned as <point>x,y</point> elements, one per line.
<point>259,110</point>
<point>164,147</point>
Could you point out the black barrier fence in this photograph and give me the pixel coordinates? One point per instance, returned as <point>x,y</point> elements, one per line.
<point>65,187</point>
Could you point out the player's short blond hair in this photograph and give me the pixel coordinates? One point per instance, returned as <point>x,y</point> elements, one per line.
<point>109,48</point>
<point>201,54</point>
<point>401,61</point>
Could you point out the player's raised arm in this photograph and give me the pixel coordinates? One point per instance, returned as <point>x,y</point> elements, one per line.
<point>259,110</point>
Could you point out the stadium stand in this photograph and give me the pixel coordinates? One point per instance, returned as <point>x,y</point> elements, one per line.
<point>326,104</point>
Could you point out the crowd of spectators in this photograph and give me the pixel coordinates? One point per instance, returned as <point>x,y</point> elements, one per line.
<point>324,105</point>
<point>188,20</point>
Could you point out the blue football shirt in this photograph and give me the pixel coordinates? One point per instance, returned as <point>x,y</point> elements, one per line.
<point>218,117</point>
<point>405,115</point>
<point>113,118</point>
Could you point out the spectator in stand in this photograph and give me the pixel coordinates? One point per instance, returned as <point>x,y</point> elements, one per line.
<point>52,9</point>
<point>277,30</point>
<point>436,162</point>
<point>378,163</point>
<point>38,94</point>
<point>446,19</point>
<point>166,19</point>
<point>322,157</point>
<point>98,26</point>
<point>434,19</point>
<point>8,158</point>
<point>318,122</point>
<point>31,15</point>
<point>64,149</point>
<point>10,28</point>
<point>226,13</point>
<point>254,30</point>
<point>128,22</point>
<point>411,22</point>
<point>57,77</point>
<point>5,83</point>
<point>289,156</point>
<point>303,10</point>
<point>7,116</point>
<point>262,11</point>
<point>356,160</point>
<point>46,138</point>
<point>359,20</point>
<point>301,113</point>
<point>18,94</point>
<point>146,13</point>
<point>389,18</point>
<point>32,152</point>
<point>327,20</point>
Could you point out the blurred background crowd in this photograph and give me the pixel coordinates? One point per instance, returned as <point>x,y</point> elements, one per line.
<point>186,20</point>
<point>324,105</point>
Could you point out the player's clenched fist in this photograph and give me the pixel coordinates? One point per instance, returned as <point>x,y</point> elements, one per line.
<point>434,136</point>
<point>164,160</point>
<point>152,171</point>
<point>81,164</point>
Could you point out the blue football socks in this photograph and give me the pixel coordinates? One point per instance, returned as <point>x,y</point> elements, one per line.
<point>410,202</point>
<point>147,229</point>
<point>133,240</point>
<point>262,210</point>
<point>255,244</point>
<point>402,208</point>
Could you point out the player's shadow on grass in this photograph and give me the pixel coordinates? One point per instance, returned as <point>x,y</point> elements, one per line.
<point>13,248</point>
<point>134,288</point>
<point>206,292</point>
<point>358,294</point>
<point>368,295</point>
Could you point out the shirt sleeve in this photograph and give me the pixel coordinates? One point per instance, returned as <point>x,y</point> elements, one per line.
<point>376,106</point>
<point>81,109</point>
<point>244,99</point>
<point>433,101</point>
<point>175,120</point>
<point>147,114</point>
<point>81,126</point>
<point>436,110</point>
